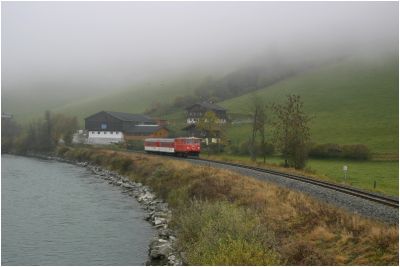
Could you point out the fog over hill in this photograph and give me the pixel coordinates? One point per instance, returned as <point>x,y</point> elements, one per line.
<point>55,53</point>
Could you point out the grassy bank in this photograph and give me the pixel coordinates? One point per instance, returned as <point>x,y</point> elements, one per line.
<point>361,174</point>
<point>223,218</point>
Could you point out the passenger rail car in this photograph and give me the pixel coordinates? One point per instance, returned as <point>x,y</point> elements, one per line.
<point>182,146</point>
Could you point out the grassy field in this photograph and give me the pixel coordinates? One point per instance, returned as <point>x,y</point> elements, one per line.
<point>361,174</point>
<point>222,218</point>
<point>352,101</point>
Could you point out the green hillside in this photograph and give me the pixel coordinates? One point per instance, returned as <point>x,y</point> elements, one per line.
<point>352,101</point>
<point>134,100</point>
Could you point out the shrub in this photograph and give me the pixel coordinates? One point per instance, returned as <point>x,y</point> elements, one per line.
<point>98,159</point>
<point>303,253</point>
<point>61,150</point>
<point>120,163</point>
<point>213,147</point>
<point>134,145</point>
<point>268,149</point>
<point>326,151</point>
<point>359,152</point>
<point>210,188</point>
<point>244,148</point>
<point>233,149</point>
<point>80,154</point>
<point>224,234</point>
<point>297,155</point>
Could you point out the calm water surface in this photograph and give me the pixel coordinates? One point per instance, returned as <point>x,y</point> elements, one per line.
<point>60,214</point>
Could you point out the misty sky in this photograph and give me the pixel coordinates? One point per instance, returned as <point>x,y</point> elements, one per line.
<point>112,44</point>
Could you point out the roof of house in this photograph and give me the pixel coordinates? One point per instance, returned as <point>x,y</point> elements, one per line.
<point>127,116</point>
<point>144,129</point>
<point>208,105</point>
<point>130,117</point>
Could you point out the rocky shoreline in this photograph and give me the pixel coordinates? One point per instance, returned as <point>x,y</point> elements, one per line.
<point>162,249</point>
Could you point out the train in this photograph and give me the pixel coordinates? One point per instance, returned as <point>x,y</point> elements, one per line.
<point>181,146</point>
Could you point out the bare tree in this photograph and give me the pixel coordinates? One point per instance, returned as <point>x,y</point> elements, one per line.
<point>291,131</point>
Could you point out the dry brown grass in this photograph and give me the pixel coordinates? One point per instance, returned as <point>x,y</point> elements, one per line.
<point>307,231</point>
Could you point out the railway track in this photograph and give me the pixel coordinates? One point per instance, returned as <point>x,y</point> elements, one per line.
<point>373,197</point>
<point>387,201</point>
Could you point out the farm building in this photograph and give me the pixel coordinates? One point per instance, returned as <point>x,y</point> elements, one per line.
<point>196,111</point>
<point>107,127</point>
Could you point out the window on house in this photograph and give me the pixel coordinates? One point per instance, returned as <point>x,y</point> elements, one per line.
<point>98,132</point>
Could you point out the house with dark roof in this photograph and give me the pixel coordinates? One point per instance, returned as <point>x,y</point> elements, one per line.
<point>196,111</point>
<point>107,127</point>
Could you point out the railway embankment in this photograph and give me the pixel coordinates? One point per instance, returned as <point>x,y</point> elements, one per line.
<point>221,217</point>
<point>375,206</point>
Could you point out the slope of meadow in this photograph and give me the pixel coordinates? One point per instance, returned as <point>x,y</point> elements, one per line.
<point>352,101</point>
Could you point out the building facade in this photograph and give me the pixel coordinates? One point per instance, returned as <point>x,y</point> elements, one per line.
<point>193,115</point>
<point>108,127</point>
<point>196,111</point>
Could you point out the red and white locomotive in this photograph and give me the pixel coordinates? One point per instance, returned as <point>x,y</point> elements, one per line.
<point>182,146</point>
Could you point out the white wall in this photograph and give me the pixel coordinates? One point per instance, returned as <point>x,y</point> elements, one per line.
<point>191,120</point>
<point>105,137</point>
<point>194,120</point>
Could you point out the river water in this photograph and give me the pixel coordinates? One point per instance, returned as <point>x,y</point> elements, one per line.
<point>59,214</point>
